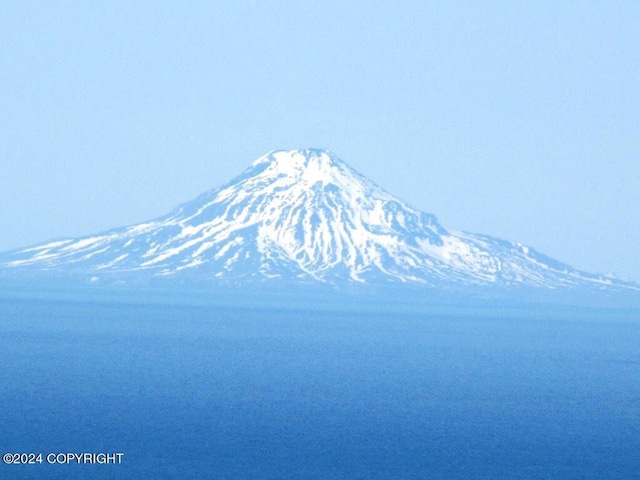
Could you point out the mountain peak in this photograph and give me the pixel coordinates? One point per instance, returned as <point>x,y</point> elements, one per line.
<point>307,169</point>
<point>297,155</point>
<point>303,214</point>
<point>299,158</point>
<point>307,163</point>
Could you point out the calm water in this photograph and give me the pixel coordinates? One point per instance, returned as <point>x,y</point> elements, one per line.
<point>203,392</point>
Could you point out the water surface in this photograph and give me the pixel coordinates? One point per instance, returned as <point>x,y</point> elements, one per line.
<point>212,392</point>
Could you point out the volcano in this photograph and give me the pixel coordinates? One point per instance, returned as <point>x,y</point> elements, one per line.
<point>302,215</point>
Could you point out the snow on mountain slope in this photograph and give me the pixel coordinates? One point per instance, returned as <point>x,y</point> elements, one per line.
<point>303,214</point>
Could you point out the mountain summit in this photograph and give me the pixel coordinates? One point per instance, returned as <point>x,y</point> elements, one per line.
<point>303,215</point>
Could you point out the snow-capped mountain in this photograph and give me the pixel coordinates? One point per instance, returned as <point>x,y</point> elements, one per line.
<point>302,214</point>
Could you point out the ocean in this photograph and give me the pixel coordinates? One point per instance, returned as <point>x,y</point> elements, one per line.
<point>214,392</point>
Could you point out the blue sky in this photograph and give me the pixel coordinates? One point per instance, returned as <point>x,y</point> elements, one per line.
<point>515,119</point>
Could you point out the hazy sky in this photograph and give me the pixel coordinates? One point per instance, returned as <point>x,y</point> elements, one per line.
<point>515,119</point>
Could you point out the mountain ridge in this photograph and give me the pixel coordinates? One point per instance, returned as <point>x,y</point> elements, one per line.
<point>303,215</point>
